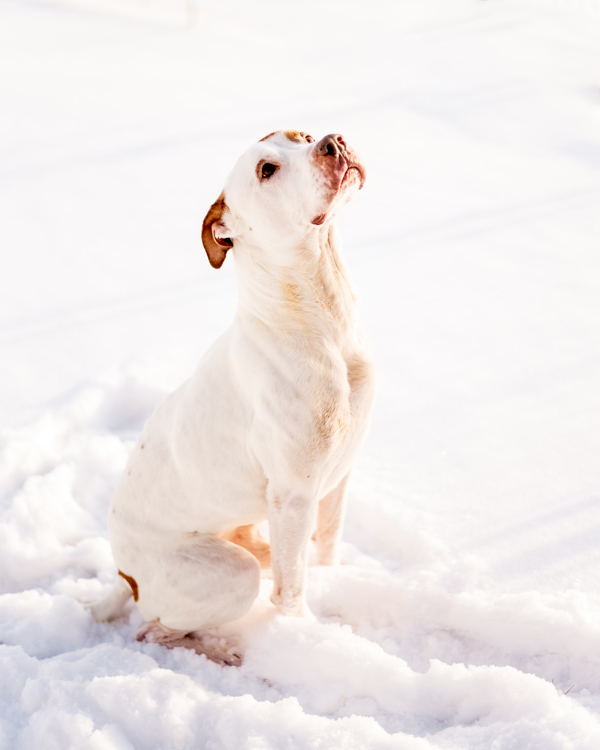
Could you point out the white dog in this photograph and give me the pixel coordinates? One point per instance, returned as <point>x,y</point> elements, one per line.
<point>269,424</point>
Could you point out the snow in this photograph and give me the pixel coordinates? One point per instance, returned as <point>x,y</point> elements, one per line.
<point>466,613</point>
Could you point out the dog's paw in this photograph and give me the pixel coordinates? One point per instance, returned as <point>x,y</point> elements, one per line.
<point>219,650</point>
<point>216,649</point>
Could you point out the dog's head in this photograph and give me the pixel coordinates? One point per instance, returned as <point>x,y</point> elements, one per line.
<point>279,191</point>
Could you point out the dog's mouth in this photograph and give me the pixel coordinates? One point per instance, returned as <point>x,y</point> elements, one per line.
<point>340,174</point>
<point>353,173</point>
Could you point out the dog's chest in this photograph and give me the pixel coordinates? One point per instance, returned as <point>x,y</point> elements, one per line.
<point>339,403</point>
<point>315,410</point>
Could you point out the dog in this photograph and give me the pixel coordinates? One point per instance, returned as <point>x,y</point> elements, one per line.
<point>268,426</point>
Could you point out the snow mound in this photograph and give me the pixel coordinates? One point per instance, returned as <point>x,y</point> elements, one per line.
<point>399,655</point>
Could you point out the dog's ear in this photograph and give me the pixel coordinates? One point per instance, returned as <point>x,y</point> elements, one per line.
<point>214,233</point>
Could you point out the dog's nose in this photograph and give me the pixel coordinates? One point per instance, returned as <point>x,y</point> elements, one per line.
<point>332,145</point>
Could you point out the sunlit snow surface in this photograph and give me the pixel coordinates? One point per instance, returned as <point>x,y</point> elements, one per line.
<point>466,613</point>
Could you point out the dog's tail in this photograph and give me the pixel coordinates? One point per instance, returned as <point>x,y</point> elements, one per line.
<point>112,605</point>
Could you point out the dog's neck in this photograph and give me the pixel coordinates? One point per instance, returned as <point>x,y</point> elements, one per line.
<point>311,296</point>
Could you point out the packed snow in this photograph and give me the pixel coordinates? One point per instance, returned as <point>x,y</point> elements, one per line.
<point>466,612</point>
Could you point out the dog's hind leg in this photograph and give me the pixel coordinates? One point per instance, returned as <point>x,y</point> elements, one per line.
<point>250,539</point>
<point>206,582</point>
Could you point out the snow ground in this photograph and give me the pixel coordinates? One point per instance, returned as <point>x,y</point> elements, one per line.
<point>466,614</point>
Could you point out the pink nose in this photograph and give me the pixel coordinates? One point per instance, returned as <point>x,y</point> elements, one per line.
<point>331,145</point>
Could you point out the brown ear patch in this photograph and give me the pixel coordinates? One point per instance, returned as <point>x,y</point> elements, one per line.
<point>133,583</point>
<point>216,247</point>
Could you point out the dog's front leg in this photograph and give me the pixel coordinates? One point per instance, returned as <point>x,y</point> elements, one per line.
<point>292,518</point>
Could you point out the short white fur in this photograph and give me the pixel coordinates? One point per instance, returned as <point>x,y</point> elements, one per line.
<point>267,427</point>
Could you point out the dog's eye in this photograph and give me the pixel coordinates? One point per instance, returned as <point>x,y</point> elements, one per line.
<point>268,170</point>
<point>309,139</point>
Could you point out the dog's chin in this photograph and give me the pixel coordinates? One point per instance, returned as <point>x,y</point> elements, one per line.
<point>332,211</point>
<point>342,187</point>
<point>350,184</point>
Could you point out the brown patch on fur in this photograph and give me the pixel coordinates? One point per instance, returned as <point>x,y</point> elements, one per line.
<point>216,248</point>
<point>291,293</point>
<point>333,420</point>
<point>360,372</point>
<point>294,135</point>
<point>133,583</point>
<point>266,138</point>
<point>250,539</point>
<point>294,317</point>
<point>298,136</point>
